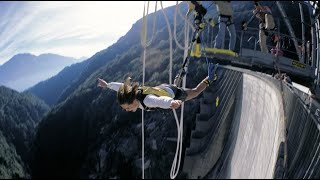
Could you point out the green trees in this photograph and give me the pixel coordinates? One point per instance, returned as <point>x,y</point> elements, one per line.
<point>11,165</point>
<point>19,115</point>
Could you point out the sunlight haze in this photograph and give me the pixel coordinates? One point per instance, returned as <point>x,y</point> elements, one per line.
<point>74,29</point>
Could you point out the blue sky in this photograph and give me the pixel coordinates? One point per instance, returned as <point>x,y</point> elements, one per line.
<point>74,29</point>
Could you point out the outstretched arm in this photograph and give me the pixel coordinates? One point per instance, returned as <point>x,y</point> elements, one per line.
<point>112,85</point>
<point>102,83</point>
<point>163,102</point>
<point>246,23</point>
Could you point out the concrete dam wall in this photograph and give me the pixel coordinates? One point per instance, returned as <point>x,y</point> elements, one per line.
<point>251,125</point>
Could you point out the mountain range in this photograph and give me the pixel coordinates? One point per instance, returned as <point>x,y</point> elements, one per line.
<point>25,70</point>
<point>50,90</point>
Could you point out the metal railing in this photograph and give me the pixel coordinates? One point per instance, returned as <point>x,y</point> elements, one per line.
<point>249,39</point>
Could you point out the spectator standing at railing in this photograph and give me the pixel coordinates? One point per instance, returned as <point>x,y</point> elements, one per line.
<point>264,14</point>
<point>225,11</point>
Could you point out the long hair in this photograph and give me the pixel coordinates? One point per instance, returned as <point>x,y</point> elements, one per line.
<point>127,93</point>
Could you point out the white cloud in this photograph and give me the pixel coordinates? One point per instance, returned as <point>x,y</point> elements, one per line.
<point>67,28</point>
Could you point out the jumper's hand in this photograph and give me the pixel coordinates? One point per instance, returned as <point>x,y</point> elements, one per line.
<point>102,83</point>
<point>175,104</point>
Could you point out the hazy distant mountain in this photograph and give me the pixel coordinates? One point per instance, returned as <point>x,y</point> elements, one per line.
<point>25,70</point>
<point>51,89</point>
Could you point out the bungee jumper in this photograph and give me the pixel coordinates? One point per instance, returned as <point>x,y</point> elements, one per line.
<point>131,96</point>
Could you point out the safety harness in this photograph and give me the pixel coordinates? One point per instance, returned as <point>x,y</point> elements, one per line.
<point>143,91</point>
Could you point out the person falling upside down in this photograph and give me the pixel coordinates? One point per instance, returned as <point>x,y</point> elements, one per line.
<point>165,96</point>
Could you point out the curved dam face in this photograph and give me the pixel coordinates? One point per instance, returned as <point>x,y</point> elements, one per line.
<point>239,129</point>
<point>255,134</point>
